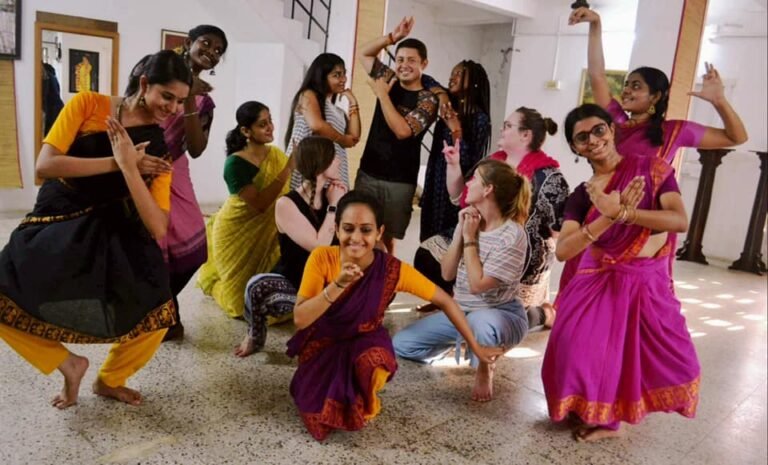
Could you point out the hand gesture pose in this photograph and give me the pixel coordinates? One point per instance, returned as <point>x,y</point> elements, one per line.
<point>149,165</point>
<point>469,222</point>
<point>583,15</point>
<point>607,204</point>
<point>381,86</point>
<point>712,88</point>
<point>125,152</point>
<point>452,153</point>
<point>349,273</point>
<point>402,30</point>
<point>634,192</point>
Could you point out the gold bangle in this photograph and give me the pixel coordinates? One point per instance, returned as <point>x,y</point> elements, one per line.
<point>191,113</point>
<point>327,297</point>
<point>588,233</point>
<point>471,244</point>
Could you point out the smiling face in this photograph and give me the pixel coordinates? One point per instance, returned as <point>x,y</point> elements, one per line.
<point>636,97</point>
<point>357,232</point>
<point>337,79</point>
<point>593,139</point>
<point>261,131</point>
<point>458,84</point>
<point>163,100</point>
<point>205,51</point>
<point>409,65</point>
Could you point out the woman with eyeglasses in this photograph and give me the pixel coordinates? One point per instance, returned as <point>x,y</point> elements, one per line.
<point>486,258</point>
<point>620,348</point>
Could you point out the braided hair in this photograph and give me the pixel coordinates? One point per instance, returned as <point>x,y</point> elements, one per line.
<point>477,97</point>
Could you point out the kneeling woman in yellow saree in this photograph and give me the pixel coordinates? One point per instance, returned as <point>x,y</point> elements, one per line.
<point>242,236</point>
<point>345,353</point>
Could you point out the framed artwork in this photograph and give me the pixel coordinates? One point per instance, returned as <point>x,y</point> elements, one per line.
<point>83,70</point>
<point>171,40</point>
<point>616,80</point>
<point>10,29</point>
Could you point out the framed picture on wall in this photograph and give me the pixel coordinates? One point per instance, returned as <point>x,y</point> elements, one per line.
<point>171,40</point>
<point>615,83</point>
<point>83,70</point>
<point>10,29</point>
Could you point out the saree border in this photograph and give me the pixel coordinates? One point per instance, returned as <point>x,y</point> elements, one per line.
<point>683,398</point>
<point>15,317</point>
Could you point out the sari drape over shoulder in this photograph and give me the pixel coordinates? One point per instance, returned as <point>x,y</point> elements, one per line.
<point>82,267</point>
<point>620,348</point>
<point>241,242</point>
<point>346,356</point>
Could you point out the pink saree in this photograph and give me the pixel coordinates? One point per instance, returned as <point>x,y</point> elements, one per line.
<point>620,348</point>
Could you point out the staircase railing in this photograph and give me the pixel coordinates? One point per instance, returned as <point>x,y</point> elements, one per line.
<point>313,16</point>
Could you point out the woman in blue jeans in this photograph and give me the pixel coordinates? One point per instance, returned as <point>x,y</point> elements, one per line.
<point>486,258</point>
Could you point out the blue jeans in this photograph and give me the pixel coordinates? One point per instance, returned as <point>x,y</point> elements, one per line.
<point>430,338</point>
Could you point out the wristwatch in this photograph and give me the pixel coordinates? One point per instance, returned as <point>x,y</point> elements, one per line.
<point>331,209</point>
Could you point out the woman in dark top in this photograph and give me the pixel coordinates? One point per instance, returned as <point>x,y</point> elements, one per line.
<point>305,220</point>
<point>469,92</point>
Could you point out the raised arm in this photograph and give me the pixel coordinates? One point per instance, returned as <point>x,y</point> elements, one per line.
<point>196,126</point>
<point>713,91</point>
<point>595,58</point>
<point>368,52</point>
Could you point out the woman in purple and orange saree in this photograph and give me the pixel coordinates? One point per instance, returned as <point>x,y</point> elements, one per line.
<point>345,354</point>
<point>619,348</point>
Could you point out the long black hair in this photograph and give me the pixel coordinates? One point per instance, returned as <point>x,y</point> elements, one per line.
<point>246,114</point>
<point>657,83</point>
<point>161,68</point>
<point>477,97</point>
<point>316,81</point>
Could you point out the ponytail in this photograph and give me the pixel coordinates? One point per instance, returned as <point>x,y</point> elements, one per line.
<point>236,141</point>
<point>247,114</point>
<point>511,190</point>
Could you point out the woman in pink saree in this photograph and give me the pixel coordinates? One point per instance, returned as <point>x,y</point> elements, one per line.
<point>619,348</point>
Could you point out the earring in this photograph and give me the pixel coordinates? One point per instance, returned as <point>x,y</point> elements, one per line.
<point>652,110</point>
<point>142,102</point>
<point>213,72</point>
<point>576,159</point>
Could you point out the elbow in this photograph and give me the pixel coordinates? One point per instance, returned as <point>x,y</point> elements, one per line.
<point>562,255</point>
<point>473,289</point>
<point>682,226</point>
<point>404,133</point>
<point>298,321</point>
<point>42,172</point>
<point>742,138</point>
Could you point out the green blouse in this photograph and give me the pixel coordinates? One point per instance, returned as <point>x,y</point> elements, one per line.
<point>238,173</point>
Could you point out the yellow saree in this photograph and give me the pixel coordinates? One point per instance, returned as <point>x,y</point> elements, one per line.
<point>241,243</point>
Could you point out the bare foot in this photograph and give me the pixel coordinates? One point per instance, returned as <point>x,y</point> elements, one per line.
<point>483,390</point>
<point>246,347</point>
<point>121,393</point>
<point>549,314</point>
<point>73,368</point>
<point>587,433</point>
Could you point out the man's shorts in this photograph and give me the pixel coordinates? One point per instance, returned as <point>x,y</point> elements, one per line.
<point>395,198</point>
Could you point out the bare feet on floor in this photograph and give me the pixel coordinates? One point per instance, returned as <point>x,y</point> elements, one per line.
<point>549,314</point>
<point>483,390</point>
<point>121,393</point>
<point>246,347</point>
<point>589,433</point>
<point>73,368</point>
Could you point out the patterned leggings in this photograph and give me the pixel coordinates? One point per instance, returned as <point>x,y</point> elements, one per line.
<point>267,294</point>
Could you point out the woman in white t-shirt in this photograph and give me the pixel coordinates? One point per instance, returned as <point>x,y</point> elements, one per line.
<point>487,259</point>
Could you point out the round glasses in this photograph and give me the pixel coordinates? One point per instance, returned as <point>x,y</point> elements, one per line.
<point>598,130</point>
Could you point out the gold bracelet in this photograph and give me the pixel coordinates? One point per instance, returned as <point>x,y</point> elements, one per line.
<point>634,216</point>
<point>191,113</point>
<point>327,297</point>
<point>471,244</point>
<point>586,231</point>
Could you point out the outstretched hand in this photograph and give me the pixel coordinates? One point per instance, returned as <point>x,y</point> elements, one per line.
<point>452,153</point>
<point>712,88</point>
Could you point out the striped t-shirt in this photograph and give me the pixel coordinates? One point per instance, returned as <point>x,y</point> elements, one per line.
<point>502,254</point>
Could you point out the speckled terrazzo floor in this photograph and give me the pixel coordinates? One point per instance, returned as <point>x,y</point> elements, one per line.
<point>204,406</point>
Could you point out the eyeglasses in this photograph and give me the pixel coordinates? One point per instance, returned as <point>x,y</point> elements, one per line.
<point>598,130</point>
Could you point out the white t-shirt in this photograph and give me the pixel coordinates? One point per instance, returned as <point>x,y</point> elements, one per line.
<point>502,253</point>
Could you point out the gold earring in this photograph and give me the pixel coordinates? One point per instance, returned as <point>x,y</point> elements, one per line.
<point>652,110</point>
<point>142,102</point>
